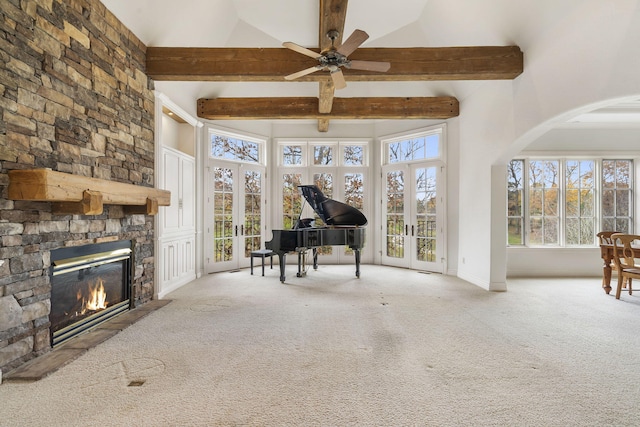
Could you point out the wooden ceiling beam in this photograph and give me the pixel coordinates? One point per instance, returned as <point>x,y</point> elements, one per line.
<point>272,64</point>
<point>443,107</point>
<point>325,99</point>
<point>332,16</point>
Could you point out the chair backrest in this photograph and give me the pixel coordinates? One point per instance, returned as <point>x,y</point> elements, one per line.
<point>604,237</point>
<point>624,246</point>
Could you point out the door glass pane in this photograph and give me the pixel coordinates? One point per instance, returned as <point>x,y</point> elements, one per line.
<point>425,220</point>
<point>291,199</point>
<point>353,194</point>
<point>252,211</point>
<point>395,214</point>
<point>324,181</point>
<point>222,214</point>
<point>354,190</point>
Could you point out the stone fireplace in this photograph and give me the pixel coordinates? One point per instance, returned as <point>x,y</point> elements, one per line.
<point>74,99</point>
<point>90,284</point>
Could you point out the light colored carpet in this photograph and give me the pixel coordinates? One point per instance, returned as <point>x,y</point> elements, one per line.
<point>394,348</point>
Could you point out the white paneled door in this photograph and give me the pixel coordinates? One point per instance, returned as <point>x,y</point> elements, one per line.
<point>235,214</point>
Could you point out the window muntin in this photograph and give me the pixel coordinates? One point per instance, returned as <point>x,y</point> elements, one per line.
<point>567,201</point>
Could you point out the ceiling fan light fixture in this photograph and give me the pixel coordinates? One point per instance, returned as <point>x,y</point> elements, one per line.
<point>334,58</point>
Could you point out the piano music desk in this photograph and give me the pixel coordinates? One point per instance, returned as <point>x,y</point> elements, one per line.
<point>262,253</point>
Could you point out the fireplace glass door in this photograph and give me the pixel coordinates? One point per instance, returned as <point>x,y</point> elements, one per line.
<point>88,288</point>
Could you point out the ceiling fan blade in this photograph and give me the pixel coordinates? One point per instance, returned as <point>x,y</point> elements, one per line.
<point>369,65</point>
<point>302,50</point>
<point>338,79</point>
<point>353,42</point>
<point>303,72</point>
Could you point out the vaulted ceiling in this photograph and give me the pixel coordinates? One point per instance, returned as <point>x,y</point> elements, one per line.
<point>223,59</point>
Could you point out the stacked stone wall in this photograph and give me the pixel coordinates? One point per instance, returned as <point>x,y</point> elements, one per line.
<point>74,98</point>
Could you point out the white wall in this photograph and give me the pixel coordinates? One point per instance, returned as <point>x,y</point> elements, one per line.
<point>582,62</point>
<point>170,132</point>
<point>485,130</point>
<point>558,262</point>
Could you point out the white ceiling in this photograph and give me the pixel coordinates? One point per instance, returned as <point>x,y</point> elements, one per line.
<point>389,23</point>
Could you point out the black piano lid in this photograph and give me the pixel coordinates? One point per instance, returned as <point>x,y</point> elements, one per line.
<point>330,211</point>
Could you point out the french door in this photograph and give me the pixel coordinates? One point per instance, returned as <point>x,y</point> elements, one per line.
<point>235,214</point>
<point>413,216</point>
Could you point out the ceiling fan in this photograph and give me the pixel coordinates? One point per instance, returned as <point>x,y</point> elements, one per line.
<point>334,58</point>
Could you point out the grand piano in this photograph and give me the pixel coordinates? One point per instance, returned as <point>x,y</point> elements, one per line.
<point>344,226</point>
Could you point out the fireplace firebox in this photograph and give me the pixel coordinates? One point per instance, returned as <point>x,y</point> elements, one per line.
<point>89,285</point>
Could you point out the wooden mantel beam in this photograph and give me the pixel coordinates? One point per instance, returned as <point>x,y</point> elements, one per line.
<point>272,64</point>
<point>443,107</point>
<point>83,195</point>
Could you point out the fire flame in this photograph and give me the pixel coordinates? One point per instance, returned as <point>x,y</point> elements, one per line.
<point>97,298</point>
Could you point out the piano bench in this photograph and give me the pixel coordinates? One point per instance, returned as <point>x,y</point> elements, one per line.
<point>262,253</point>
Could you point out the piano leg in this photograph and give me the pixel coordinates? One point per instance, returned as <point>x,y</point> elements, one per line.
<point>357,255</point>
<point>301,262</point>
<point>315,258</point>
<point>282,257</point>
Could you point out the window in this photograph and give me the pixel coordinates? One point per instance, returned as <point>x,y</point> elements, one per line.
<point>515,216</point>
<point>425,145</point>
<point>617,195</point>
<point>544,196</point>
<point>291,199</point>
<point>227,146</point>
<point>580,227</point>
<point>338,168</point>
<point>292,155</point>
<point>565,202</point>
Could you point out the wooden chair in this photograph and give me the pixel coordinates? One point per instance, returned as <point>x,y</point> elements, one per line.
<point>626,255</point>
<point>604,237</point>
<point>606,253</point>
